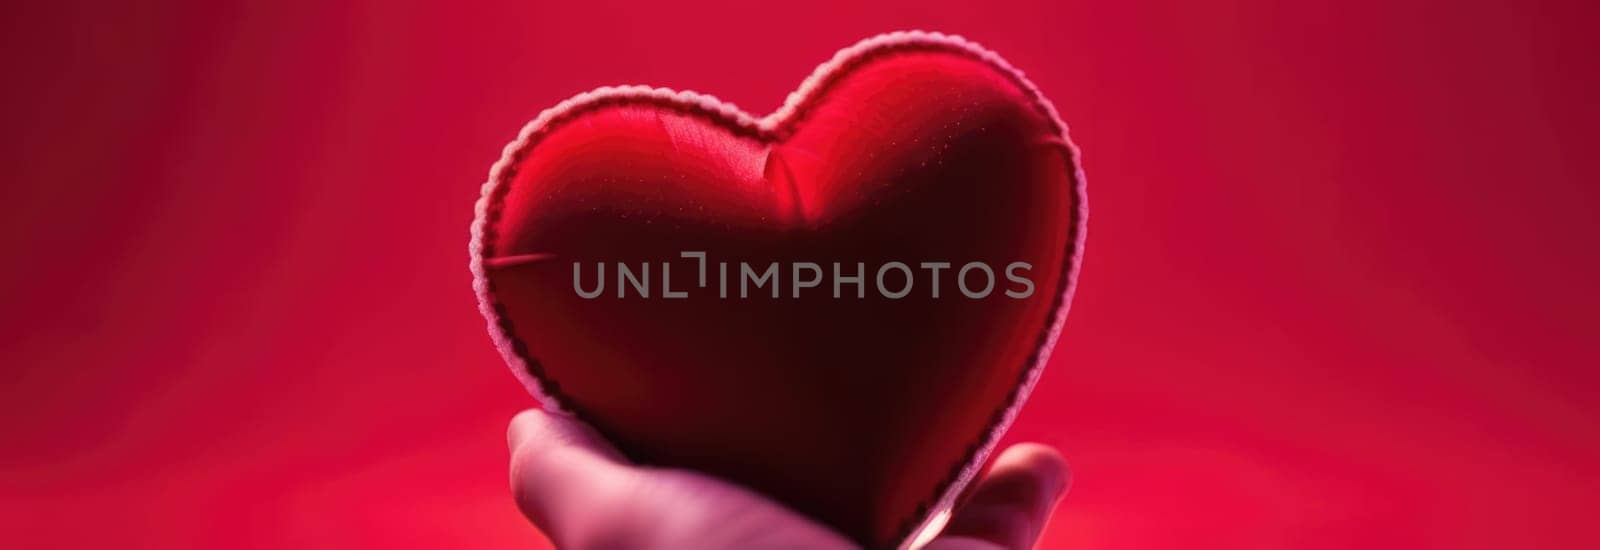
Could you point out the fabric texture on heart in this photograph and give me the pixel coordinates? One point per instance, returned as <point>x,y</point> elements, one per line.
<point>865,411</point>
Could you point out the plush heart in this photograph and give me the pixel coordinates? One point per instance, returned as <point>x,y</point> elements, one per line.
<point>856,404</point>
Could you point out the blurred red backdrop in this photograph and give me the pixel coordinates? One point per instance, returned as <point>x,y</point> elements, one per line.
<point>1339,289</point>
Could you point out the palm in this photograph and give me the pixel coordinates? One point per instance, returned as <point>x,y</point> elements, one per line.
<point>584,494</point>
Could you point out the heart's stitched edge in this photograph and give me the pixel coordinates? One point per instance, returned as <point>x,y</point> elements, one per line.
<point>775,127</point>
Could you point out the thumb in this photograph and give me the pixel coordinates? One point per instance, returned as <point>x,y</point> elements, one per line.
<point>565,476</point>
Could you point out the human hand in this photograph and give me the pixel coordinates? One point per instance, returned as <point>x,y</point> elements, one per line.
<point>584,494</point>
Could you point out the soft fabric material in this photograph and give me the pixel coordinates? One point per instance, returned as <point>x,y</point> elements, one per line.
<point>869,414</point>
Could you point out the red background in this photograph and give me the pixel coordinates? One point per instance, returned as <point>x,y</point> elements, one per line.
<point>1338,292</point>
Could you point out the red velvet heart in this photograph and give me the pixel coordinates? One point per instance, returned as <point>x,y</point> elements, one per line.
<point>866,411</point>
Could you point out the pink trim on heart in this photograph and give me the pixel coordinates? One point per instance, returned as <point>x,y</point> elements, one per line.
<point>774,127</point>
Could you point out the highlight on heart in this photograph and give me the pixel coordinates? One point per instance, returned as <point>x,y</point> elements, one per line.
<point>894,280</point>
